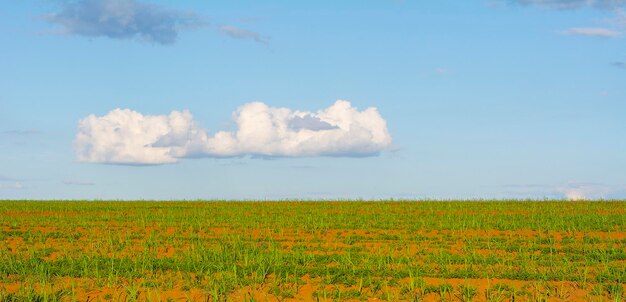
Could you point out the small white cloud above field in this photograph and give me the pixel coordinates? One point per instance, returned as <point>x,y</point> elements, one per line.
<point>574,191</point>
<point>124,136</point>
<point>568,191</point>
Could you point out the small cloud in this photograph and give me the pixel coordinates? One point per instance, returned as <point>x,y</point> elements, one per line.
<point>575,195</point>
<point>78,183</point>
<point>621,65</point>
<point>583,191</point>
<point>573,4</point>
<point>238,33</point>
<point>17,185</point>
<point>123,19</point>
<point>128,137</point>
<point>592,32</point>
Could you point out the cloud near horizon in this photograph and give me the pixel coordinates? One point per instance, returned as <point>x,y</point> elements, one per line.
<point>124,136</point>
<point>123,19</point>
<point>569,191</point>
<point>584,191</point>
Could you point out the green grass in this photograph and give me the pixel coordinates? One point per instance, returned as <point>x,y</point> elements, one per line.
<point>350,250</point>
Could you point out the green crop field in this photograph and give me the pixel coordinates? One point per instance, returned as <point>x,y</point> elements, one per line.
<point>307,251</point>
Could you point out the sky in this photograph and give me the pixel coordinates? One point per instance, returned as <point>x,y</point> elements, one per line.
<point>368,99</point>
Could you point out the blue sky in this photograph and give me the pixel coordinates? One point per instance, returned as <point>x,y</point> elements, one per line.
<point>473,99</point>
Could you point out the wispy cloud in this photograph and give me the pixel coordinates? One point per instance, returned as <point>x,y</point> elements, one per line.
<point>621,65</point>
<point>135,20</point>
<point>614,6</point>
<point>239,33</point>
<point>573,4</point>
<point>123,19</point>
<point>592,32</point>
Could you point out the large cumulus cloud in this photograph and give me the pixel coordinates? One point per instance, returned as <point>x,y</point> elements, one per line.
<point>124,136</point>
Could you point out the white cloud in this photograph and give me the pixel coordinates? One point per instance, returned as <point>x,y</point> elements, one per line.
<point>569,191</point>
<point>575,195</point>
<point>592,32</point>
<point>583,191</point>
<point>124,136</point>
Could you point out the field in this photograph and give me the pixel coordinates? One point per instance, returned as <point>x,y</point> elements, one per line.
<point>285,251</point>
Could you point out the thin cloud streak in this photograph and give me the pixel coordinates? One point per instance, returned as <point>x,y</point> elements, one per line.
<point>592,32</point>
<point>238,33</point>
<point>621,65</point>
<point>573,4</point>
